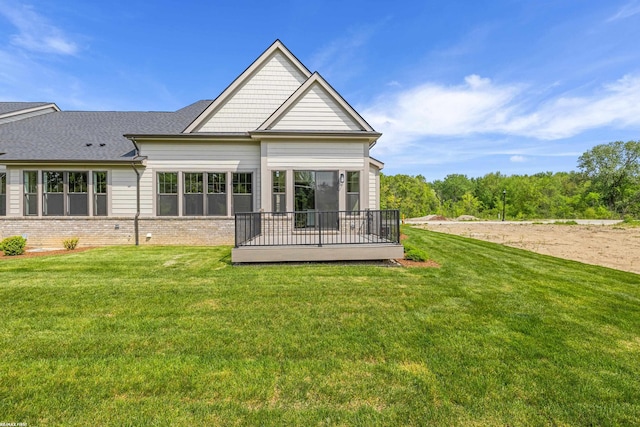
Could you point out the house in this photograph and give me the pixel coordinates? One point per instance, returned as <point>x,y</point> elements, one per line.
<point>279,142</point>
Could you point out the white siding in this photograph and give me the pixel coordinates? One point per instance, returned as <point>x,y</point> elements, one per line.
<point>197,157</point>
<point>123,192</point>
<point>14,192</point>
<point>316,110</point>
<point>315,155</point>
<point>146,192</point>
<point>180,155</point>
<point>258,98</point>
<point>374,187</point>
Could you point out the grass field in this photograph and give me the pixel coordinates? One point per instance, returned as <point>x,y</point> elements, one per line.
<point>178,336</point>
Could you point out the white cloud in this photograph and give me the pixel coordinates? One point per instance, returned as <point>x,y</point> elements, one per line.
<point>480,106</point>
<point>35,33</point>
<point>628,10</point>
<point>518,159</point>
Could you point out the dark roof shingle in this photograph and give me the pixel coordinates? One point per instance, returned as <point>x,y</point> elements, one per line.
<point>88,135</point>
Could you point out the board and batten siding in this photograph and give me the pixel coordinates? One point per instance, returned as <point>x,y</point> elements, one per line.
<point>258,98</point>
<point>305,155</point>
<point>316,110</point>
<point>197,157</point>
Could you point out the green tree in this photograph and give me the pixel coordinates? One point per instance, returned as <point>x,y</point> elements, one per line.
<point>614,170</point>
<point>412,195</point>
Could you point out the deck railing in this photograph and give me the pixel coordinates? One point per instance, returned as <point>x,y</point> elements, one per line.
<point>317,228</point>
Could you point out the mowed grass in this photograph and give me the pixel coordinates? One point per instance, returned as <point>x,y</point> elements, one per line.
<point>178,336</point>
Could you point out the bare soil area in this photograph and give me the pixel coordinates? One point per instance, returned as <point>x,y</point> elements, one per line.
<point>613,246</point>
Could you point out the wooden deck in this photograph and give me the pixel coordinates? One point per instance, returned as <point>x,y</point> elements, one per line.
<point>317,236</point>
<point>300,253</point>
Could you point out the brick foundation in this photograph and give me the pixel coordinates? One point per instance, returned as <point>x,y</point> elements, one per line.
<point>92,231</point>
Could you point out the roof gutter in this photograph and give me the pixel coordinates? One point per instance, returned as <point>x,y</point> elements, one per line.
<point>136,219</point>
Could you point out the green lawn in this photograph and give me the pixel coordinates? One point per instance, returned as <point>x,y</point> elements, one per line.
<point>177,336</point>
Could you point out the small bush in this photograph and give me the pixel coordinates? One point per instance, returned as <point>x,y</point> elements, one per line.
<point>414,253</point>
<point>70,244</point>
<point>13,245</point>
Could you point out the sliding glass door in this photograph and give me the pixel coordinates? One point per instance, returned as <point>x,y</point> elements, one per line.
<point>314,192</point>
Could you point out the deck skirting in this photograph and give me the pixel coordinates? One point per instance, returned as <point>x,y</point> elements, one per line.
<point>296,253</point>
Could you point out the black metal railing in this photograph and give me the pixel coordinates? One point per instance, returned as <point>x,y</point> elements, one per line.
<point>317,228</point>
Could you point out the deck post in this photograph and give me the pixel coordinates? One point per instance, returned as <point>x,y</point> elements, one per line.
<point>319,229</point>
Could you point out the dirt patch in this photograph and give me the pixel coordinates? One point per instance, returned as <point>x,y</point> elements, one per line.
<point>605,245</point>
<point>423,264</point>
<point>38,253</point>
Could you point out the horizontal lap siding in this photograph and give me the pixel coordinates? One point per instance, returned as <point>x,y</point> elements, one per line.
<point>315,155</point>
<point>123,192</point>
<point>14,192</point>
<point>197,157</point>
<point>374,177</point>
<point>317,110</point>
<point>261,95</point>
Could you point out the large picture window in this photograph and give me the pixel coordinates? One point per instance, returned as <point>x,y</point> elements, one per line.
<point>30,193</point>
<point>3,194</point>
<point>242,192</point>
<point>217,194</point>
<point>167,193</point>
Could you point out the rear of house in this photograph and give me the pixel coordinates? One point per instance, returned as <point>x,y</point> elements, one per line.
<point>278,139</point>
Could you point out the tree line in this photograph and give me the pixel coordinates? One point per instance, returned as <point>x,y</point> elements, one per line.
<point>607,185</point>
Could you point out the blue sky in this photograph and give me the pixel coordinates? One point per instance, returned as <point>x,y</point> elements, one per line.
<point>465,87</point>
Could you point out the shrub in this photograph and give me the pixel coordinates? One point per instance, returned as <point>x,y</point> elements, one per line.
<point>71,243</point>
<point>13,245</point>
<point>414,253</point>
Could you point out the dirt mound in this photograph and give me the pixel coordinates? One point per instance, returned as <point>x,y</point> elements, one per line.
<point>427,218</point>
<point>437,218</point>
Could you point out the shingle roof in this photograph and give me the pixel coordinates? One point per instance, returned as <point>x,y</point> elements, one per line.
<point>88,135</point>
<point>10,107</point>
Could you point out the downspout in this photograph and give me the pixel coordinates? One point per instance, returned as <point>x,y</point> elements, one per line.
<point>136,226</point>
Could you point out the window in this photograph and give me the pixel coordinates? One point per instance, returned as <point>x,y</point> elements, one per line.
<point>353,191</point>
<point>78,196</point>
<point>167,193</point>
<point>242,195</point>
<point>193,194</point>
<point>100,193</point>
<point>279,202</point>
<point>3,194</point>
<point>30,193</point>
<point>217,194</point>
<point>53,193</point>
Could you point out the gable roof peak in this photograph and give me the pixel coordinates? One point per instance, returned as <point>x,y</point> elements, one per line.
<point>315,80</point>
<point>276,47</point>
